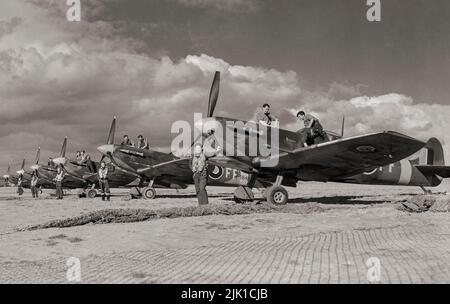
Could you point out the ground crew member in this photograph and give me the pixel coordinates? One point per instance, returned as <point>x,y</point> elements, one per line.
<point>86,159</point>
<point>58,180</point>
<point>264,117</point>
<point>142,143</point>
<point>103,181</point>
<point>34,182</point>
<point>127,141</point>
<point>19,184</point>
<point>199,168</point>
<point>315,134</point>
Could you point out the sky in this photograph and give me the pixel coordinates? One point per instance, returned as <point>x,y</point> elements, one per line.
<point>151,62</point>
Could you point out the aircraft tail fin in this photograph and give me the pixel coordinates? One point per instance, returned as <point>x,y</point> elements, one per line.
<point>431,155</point>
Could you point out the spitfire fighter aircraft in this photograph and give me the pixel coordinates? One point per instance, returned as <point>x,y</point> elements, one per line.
<point>157,169</point>
<point>81,177</point>
<point>335,160</point>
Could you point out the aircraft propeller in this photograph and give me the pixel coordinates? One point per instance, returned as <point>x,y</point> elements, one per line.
<point>6,176</point>
<point>213,94</point>
<point>61,160</point>
<point>36,163</point>
<point>21,171</point>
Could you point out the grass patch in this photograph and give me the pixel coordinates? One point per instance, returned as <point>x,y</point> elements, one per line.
<point>138,215</point>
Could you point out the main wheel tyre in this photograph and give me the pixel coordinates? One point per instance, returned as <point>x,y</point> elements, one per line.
<point>92,193</point>
<point>149,193</point>
<point>277,195</point>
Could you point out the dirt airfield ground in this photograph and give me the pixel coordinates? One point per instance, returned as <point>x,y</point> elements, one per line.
<point>329,238</point>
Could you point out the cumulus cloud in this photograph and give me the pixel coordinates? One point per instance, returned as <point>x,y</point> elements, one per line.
<point>63,79</point>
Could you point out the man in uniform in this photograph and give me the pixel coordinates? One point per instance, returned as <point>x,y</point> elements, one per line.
<point>86,159</point>
<point>199,168</point>
<point>313,128</point>
<point>103,181</point>
<point>20,184</point>
<point>142,143</point>
<point>127,141</point>
<point>34,182</point>
<point>58,180</point>
<point>264,117</point>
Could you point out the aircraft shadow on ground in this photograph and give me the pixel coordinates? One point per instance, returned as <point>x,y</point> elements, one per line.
<point>188,196</point>
<point>332,200</point>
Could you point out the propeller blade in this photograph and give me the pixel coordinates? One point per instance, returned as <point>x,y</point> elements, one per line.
<point>23,165</point>
<point>214,94</point>
<point>112,132</point>
<point>38,155</point>
<point>343,125</point>
<point>63,149</point>
<point>8,169</point>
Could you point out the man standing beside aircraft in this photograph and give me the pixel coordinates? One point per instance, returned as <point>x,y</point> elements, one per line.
<point>103,181</point>
<point>34,182</point>
<point>58,180</point>
<point>199,168</point>
<point>19,184</point>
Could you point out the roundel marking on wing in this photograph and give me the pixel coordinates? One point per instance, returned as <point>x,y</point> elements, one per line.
<point>216,173</point>
<point>366,149</point>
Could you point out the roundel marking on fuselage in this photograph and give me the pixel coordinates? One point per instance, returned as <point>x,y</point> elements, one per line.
<point>216,173</point>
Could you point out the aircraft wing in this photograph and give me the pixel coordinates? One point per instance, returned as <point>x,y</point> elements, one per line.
<point>442,171</point>
<point>347,156</point>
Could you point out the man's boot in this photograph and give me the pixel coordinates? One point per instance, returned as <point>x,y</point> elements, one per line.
<point>103,197</point>
<point>107,198</point>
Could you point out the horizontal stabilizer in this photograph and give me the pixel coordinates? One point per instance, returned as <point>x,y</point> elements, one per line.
<point>442,171</point>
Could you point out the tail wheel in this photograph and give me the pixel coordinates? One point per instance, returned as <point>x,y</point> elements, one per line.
<point>149,193</point>
<point>277,195</point>
<point>92,193</point>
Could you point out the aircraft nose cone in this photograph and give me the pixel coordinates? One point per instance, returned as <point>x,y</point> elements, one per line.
<point>59,161</point>
<point>106,149</point>
<point>20,172</point>
<point>34,167</point>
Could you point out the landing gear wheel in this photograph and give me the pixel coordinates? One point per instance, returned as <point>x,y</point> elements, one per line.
<point>277,195</point>
<point>92,193</point>
<point>148,193</point>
